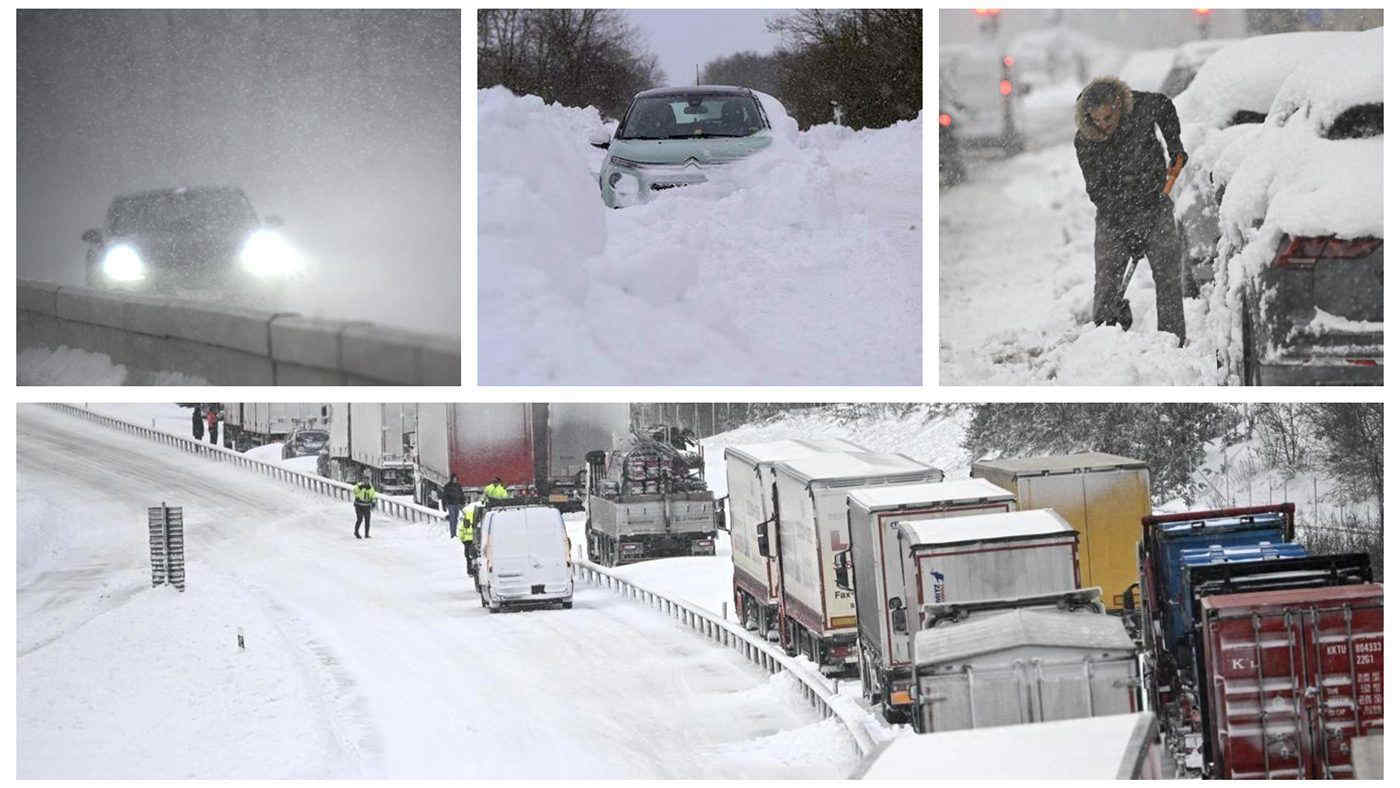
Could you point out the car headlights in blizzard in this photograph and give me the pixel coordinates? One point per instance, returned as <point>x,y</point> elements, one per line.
<point>267,254</point>
<point>121,263</point>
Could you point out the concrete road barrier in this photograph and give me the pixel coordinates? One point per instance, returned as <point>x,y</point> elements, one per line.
<point>231,345</point>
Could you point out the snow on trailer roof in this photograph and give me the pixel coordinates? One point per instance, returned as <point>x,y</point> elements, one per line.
<point>1087,748</point>
<point>1059,463</point>
<point>894,495</point>
<point>1046,628</point>
<point>840,466</point>
<point>1292,596</point>
<point>985,527</point>
<point>780,450</point>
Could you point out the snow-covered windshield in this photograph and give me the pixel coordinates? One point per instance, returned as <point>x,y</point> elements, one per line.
<point>196,210</point>
<point>681,116</point>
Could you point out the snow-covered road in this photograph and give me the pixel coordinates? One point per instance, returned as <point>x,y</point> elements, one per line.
<point>1015,247</point>
<point>365,658</point>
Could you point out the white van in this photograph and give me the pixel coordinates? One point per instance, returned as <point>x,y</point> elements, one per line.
<point>525,558</point>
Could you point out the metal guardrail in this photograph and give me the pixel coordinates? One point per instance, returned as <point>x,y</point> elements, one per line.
<point>731,635</point>
<point>331,488</point>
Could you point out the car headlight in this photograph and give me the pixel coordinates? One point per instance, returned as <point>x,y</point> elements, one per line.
<point>121,263</point>
<point>267,253</point>
<point>621,162</point>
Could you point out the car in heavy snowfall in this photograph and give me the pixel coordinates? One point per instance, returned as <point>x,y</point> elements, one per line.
<point>1186,62</point>
<point>1301,262</point>
<point>184,240</point>
<point>1221,112</point>
<point>671,137</point>
<point>525,559</point>
<point>306,442</point>
<point>979,94</point>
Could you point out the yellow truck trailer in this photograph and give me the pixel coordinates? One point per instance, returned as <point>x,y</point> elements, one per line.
<point>1103,496</point>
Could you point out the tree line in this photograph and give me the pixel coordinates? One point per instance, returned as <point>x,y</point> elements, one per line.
<point>865,65</point>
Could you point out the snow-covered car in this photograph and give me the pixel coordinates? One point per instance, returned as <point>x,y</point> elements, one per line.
<point>525,558</point>
<point>1220,113</point>
<point>1301,250</point>
<point>1053,55</point>
<point>182,240</point>
<point>670,137</point>
<point>1146,69</point>
<point>1186,62</point>
<point>305,443</point>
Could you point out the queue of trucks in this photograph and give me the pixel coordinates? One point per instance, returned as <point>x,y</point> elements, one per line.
<point>1044,589</point>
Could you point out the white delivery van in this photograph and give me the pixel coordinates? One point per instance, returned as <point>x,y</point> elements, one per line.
<point>525,558</point>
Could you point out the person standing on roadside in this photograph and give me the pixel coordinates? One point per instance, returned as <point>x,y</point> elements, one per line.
<point>364,495</point>
<point>452,500</point>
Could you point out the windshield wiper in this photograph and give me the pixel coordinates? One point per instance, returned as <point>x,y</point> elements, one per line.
<point>703,135</point>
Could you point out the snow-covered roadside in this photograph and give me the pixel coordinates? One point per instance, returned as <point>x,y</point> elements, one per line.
<point>800,267</point>
<point>65,366</point>
<point>363,659</point>
<point>1016,269</point>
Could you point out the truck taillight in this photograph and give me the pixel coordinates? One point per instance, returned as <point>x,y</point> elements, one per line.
<point>944,119</point>
<point>1006,87</point>
<point>1363,362</point>
<point>1300,252</point>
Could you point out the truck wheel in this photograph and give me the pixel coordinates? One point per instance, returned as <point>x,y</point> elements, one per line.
<point>567,605</point>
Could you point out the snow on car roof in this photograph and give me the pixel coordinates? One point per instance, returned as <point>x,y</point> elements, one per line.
<point>932,493</point>
<point>985,527</point>
<point>1197,52</point>
<point>1018,628</point>
<point>1315,84</point>
<point>1087,748</point>
<point>853,465</point>
<point>691,90</point>
<point>1247,75</point>
<point>780,450</point>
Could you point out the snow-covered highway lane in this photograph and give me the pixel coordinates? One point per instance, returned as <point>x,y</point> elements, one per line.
<point>363,659</point>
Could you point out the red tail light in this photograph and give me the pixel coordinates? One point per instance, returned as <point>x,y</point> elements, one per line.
<point>1008,61</point>
<point>944,119</point>
<point>1006,87</point>
<point>1306,252</point>
<point>1362,362</point>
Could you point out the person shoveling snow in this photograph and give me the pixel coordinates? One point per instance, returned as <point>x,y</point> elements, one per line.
<point>1127,180</point>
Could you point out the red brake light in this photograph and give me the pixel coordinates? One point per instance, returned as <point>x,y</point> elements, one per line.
<point>1362,362</point>
<point>1202,11</point>
<point>1008,61</point>
<point>1306,252</point>
<point>944,119</point>
<point>986,11</point>
<point>1006,87</point>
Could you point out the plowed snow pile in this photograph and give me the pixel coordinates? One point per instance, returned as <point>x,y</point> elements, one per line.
<point>801,267</point>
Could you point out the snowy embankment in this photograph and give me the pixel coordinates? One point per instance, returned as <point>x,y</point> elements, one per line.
<point>1016,280</point>
<point>802,265</point>
<point>65,366</point>
<point>362,659</point>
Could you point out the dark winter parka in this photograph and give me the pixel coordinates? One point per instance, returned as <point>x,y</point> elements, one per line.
<point>1124,171</point>
<point>452,494</point>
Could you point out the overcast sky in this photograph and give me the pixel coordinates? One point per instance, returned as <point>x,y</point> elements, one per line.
<point>684,39</point>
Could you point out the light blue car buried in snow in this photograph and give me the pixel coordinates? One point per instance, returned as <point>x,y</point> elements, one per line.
<point>671,137</point>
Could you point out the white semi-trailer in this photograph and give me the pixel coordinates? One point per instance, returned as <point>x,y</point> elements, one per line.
<point>816,618</point>
<point>375,438</point>
<point>877,571</point>
<point>251,424</point>
<point>749,472</point>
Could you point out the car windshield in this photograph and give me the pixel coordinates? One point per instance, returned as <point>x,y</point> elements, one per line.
<point>681,116</point>
<point>184,211</point>
<point>312,439</point>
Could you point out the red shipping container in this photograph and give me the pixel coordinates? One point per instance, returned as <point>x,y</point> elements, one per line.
<point>1289,679</point>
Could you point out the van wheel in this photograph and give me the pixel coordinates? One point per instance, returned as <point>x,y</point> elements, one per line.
<point>566,605</point>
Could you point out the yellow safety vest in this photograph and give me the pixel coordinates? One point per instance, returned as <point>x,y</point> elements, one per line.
<point>465,530</point>
<point>364,492</point>
<point>495,491</point>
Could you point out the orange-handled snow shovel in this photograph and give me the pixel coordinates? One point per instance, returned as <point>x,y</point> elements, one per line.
<point>1124,317</point>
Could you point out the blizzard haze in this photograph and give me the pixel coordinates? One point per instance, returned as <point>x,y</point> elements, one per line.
<point>346,124</point>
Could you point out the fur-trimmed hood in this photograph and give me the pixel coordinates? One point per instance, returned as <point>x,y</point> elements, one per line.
<point>1083,123</point>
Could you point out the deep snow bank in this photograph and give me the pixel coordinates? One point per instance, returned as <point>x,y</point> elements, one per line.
<point>799,266</point>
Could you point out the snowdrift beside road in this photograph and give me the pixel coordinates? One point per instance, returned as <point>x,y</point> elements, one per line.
<point>799,266</point>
